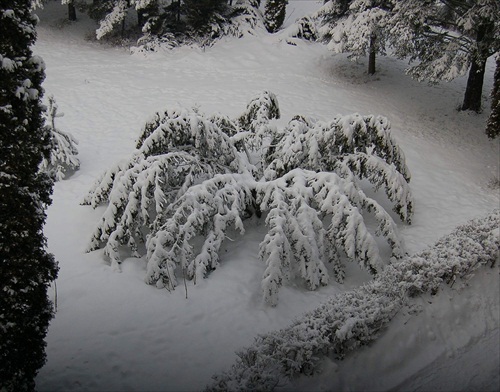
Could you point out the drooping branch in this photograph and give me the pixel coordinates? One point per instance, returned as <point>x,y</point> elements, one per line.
<point>191,179</point>
<point>206,209</point>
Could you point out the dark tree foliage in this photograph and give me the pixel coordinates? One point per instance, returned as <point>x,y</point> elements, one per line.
<point>26,269</point>
<point>200,12</point>
<point>493,125</point>
<point>274,14</point>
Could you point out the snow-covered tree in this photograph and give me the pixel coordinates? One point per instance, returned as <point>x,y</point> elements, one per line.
<point>304,28</point>
<point>63,153</point>
<point>194,176</point>
<point>447,38</point>
<point>357,27</point>
<point>274,14</point>
<point>493,124</point>
<point>163,21</point>
<point>26,269</point>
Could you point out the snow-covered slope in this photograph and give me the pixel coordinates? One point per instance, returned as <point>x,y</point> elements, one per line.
<point>113,332</point>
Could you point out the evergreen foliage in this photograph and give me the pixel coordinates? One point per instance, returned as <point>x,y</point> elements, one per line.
<point>200,13</point>
<point>304,28</point>
<point>447,38</point>
<point>167,23</point>
<point>274,14</point>
<point>26,269</point>
<point>443,39</point>
<point>63,153</point>
<point>357,27</point>
<point>356,318</point>
<point>493,124</point>
<point>192,177</point>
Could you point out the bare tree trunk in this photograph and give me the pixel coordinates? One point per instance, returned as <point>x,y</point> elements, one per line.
<point>493,124</point>
<point>474,89</point>
<point>372,54</point>
<point>71,11</point>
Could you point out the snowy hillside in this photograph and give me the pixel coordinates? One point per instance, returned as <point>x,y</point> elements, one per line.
<point>113,332</point>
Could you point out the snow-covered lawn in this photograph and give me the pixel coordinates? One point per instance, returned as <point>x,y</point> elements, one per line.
<point>114,332</point>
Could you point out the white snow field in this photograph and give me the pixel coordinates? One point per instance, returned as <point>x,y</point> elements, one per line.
<point>112,332</point>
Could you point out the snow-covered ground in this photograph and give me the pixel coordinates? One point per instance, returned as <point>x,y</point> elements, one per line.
<point>113,332</point>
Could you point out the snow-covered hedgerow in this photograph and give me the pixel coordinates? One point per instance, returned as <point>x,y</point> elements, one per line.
<point>355,318</point>
<point>63,152</point>
<point>194,176</point>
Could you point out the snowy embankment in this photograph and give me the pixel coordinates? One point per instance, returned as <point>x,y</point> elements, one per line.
<point>356,318</point>
<point>113,332</point>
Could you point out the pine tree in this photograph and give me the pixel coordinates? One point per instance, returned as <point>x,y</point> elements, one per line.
<point>199,13</point>
<point>493,124</point>
<point>194,176</point>
<point>63,152</point>
<point>26,269</point>
<point>358,27</point>
<point>178,22</point>
<point>274,14</point>
<point>447,38</point>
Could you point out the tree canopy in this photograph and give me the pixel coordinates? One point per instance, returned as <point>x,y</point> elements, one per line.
<point>26,269</point>
<point>193,177</point>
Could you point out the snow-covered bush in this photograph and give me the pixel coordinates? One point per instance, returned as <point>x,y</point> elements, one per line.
<point>63,152</point>
<point>193,176</point>
<point>304,28</point>
<point>355,318</point>
<point>167,24</point>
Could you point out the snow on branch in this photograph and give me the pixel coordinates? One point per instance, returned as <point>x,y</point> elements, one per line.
<point>352,319</point>
<point>255,120</point>
<point>191,179</point>
<point>317,145</point>
<point>117,15</point>
<point>206,209</point>
<point>175,150</point>
<point>63,152</point>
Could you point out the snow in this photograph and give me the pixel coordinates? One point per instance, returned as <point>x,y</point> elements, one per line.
<point>114,332</point>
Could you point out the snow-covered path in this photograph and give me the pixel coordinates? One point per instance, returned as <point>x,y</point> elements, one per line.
<point>113,332</point>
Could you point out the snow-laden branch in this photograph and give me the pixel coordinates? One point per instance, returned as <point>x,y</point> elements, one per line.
<point>206,209</point>
<point>318,145</point>
<point>63,153</point>
<point>192,178</point>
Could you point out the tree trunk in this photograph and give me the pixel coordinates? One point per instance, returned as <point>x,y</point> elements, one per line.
<point>71,11</point>
<point>372,54</point>
<point>474,89</point>
<point>493,124</point>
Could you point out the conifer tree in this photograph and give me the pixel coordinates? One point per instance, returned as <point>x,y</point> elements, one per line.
<point>192,177</point>
<point>274,14</point>
<point>26,269</point>
<point>493,125</point>
<point>358,27</point>
<point>447,39</point>
<point>63,152</point>
<point>199,13</point>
